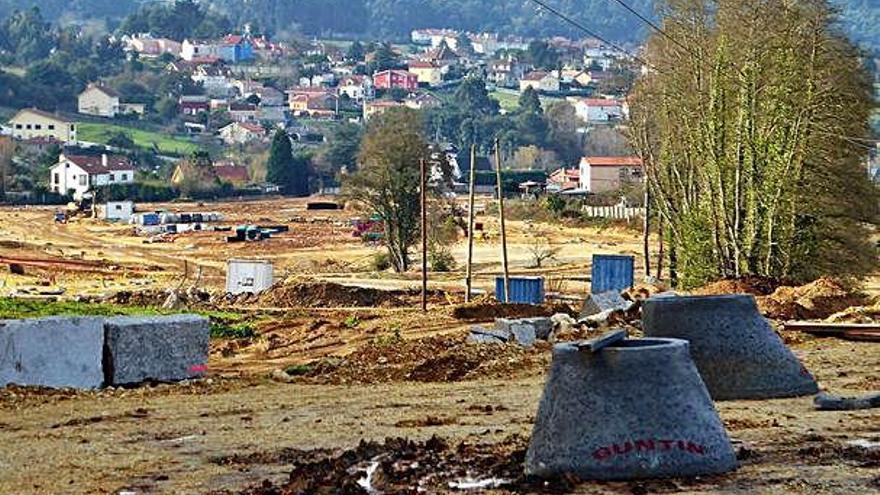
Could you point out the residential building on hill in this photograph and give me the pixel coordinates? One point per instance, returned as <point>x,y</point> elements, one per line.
<point>597,109</point>
<point>33,123</point>
<point>103,101</point>
<point>609,173</point>
<point>402,79</point>
<point>81,174</point>
<point>540,81</point>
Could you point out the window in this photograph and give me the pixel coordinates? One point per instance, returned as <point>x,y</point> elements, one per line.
<point>123,177</point>
<point>18,126</point>
<point>28,127</point>
<point>112,177</point>
<point>118,207</point>
<point>55,178</point>
<point>72,128</point>
<point>38,127</point>
<point>51,127</point>
<point>84,180</point>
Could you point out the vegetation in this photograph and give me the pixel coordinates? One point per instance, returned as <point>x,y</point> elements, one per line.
<point>288,171</point>
<point>160,142</point>
<point>753,140</point>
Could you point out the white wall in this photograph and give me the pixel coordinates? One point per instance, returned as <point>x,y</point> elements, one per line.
<point>248,276</point>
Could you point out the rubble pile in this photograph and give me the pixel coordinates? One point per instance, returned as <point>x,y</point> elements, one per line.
<point>320,294</point>
<point>814,301</point>
<point>491,309</point>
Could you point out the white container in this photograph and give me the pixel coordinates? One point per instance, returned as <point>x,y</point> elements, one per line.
<point>248,276</point>
<point>117,211</point>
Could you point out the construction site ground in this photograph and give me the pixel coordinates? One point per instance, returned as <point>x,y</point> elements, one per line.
<point>332,367</point>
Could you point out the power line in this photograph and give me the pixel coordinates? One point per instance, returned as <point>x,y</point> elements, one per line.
<point>652,24</point>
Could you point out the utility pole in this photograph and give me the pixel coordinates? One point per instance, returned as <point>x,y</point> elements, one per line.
<point>504,264</point>
<point>424,184</point>
<point>470,252</point>
<point>647,231</point>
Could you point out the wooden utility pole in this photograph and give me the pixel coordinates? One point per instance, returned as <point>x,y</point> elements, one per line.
<point>470,252</point>
<point>647,232</point>
<point>504,264</point>
<point>424,187</point>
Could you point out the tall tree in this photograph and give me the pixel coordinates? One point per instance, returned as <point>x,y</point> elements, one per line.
<point>287,170</point>
<point>387,182</point>
<point>752,132</point>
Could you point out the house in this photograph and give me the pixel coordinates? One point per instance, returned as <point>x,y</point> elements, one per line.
<point>540,81</point>
<point>191,49</point>
<point>82,173</point>
<point>269,96</point>
<point>427,73</point>
<point>357,88</point>
<point>193,104</point>
<point>388,79</point>
<point>593,110</point>
<point>214,78</point>
<point>419,101</point>
<point>505,72</point>
<point>235,48</point>
<point>564,179</point>
<point>228,171</point>
<point>149,47</point>
<point>579,77</point>
<point>32,123</point>
<point>444,55</point>
<point>243,112</point>
<point>116,211</point>
<point>242,133</point>
<point>608,173</point>
<point>373,108</point>
<point>103,101</point>
<point>314,105</point>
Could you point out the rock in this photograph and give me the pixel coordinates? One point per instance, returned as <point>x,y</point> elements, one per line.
<point>543,327</point>
<point>163,348</point>
<point>52,352</point>
<point>604,302</point>
<point>524,334</point>
<point>562,323</point>
<point>828,402</point>
<point>481,335</point>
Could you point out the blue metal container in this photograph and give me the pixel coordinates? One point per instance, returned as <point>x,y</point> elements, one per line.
<point>151,219</point>
<point>523,290</point>
<point>612,272</point>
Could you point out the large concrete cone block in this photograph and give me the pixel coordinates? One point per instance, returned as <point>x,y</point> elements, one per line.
<point>737,352</point>
<point>635,409</point>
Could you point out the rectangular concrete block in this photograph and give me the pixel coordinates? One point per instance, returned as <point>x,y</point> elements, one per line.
<point>524,333</point>
<point>160,348</point>
<point>52,352</point>
<point>543,326</point>
<point>599,303</point>
<point>481,335</point>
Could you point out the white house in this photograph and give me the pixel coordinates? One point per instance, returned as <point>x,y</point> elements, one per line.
<point>608,173</point>
<point>540,81</point>
<point>597,109</point>
<point>357,88</point>
<point>242,133</point>
<point>82,173</point>
<point>104,102</point>
<point>193,49</point>
<point>31,123</point>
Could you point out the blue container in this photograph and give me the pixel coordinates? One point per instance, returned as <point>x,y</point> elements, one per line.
<point>151,219</point>
<point>523,290</point>
<point>612,273</point>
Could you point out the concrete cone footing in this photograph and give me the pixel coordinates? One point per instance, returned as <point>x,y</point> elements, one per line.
<point>635,409</point>
<point>736,350</point>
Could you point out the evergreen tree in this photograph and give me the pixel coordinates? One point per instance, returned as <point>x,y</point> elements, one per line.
<point>279,168</point>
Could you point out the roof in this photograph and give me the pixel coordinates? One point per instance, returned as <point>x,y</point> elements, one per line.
<point>233,39</point>
<point>242,107</point>
<point>399,72</point>
<point>600,102</point>
<point>251,126</point>
<point>419,64</point>
<point>612,161</point>
<point>93,164</point>
<point>41,113</point>
<point>104,89</point>
<point>385,104</point>
<point>232,173</point>
<point>534,76</point>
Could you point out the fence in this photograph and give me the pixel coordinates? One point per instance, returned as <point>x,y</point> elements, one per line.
<point>614,212</point>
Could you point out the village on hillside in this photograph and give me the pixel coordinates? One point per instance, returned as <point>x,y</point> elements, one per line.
<point>445,257</point>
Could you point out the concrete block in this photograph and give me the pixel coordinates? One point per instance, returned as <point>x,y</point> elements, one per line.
<point>635,409</point>
<point>163,348</point>
<point>543,326</point>
<point>481,335</point>
<point>606,301</point>
<point>52,352</point>
<point>524,333</point>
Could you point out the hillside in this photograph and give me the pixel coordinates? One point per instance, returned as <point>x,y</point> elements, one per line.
<point>396,18</point>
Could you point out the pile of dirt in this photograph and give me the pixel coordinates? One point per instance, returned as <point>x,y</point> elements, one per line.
<point>154,297</point>
<point>490,310</point>
<point>754,285</point>
<point>429,359</point>
<point>321,294</point>
<point>401,466</point>
<point>814,301</point>
<point>857,314</point>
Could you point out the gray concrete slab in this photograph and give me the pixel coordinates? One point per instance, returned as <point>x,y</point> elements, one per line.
<point>599,303</point>
<point>160,348</point>
<point>481,335</point>
<point>54,352</point>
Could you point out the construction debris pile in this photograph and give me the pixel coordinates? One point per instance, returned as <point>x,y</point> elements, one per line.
<point>320,294</point>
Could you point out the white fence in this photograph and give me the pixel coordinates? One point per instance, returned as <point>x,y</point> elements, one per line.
<point>617,212</point>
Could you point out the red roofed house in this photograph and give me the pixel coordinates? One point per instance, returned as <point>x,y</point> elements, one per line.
<point>563,179</point>
<point>388,79</point>
<point>609,173</point>
<point>236,175</point>
<point>82,173</point>
<point>193,104</point>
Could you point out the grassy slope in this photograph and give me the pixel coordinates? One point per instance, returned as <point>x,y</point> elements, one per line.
<point>167,144</point>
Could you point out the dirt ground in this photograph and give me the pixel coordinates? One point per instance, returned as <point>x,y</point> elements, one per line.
<point>230,433</point>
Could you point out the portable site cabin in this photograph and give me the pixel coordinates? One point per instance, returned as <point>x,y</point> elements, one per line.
<point>117,211</point>
<point>248,276</point>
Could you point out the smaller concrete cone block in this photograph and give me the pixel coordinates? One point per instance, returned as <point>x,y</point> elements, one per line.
<point>635,409</point>
<point>736,350</point>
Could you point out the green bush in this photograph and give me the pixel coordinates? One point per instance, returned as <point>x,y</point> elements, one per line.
<point>381,261</point>
<point>298,370</point>
<point>441,259</point>
<point>221,330</point>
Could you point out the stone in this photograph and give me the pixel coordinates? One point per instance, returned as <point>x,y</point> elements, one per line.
<point>603,341</point>
<point>543,326</point>
<point>161,348</point>
<point>828,402</point>
<point>636,409</point>
<point>524,333</point>
<point>604,302</point>
<point>481,335</point>
<point>736,350</point>
<point>562,322</point>
<point>53,352</point>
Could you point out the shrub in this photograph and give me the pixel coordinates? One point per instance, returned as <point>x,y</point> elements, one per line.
<point>381,261</point>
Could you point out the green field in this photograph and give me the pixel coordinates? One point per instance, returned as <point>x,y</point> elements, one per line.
<point>510,102</point>
<point>167,144</point>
